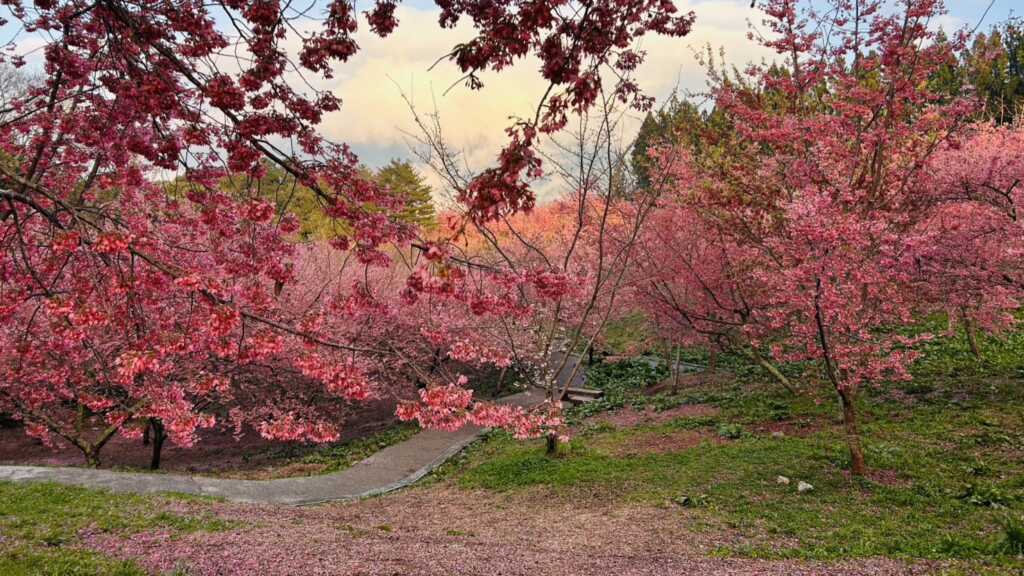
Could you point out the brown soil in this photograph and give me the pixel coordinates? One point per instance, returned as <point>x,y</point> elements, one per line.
<point>797,428</point>
<point>217,450</point>
<point>704,379</point>
<point>884,477</point>
<point>444,531</point>
<point>629,417</point>
<point>663,442</point>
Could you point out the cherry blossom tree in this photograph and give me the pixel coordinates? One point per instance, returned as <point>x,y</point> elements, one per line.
<point>817,195</point>
<point>690,280</point>
<point>968,250</point>
<point>137,286</point>
<point>568,258</point>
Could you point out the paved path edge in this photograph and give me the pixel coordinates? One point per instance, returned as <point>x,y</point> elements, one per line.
<point>408,480</point>
<point>344,485</point>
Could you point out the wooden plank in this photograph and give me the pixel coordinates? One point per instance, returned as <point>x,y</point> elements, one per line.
<point>580,399</point>
<point>590,392</point>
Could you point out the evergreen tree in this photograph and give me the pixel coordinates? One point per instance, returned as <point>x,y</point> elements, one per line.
<point>402,179</point>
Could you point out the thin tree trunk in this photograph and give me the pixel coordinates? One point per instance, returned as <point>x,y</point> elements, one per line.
<point>675,371</point>
<point>158,442</point>
<point>972,335</point>
<point>846,395</point>
<point>771,369</point>
<point>501,383</point>
<point>92,455</point>
<point>857,466</point>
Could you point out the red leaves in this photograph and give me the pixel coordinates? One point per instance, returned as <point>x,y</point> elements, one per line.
<point>382,18</point>
<point>66,242</point>
<point>505,189</point>
<point>552,285</point>
<point>291,428</point>
<point>224,93</point>
<point>260,211</point>
<point>572,51</point>
<point>224,321</point>
<point>451,407</point>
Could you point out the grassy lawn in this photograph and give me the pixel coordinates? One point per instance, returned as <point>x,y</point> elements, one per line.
<point>946,452</point>
<point>40,526</point>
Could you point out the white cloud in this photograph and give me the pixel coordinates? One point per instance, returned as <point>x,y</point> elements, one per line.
<point>374,117</point>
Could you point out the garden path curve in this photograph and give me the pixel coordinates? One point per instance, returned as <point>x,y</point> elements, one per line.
<point>392,468</point>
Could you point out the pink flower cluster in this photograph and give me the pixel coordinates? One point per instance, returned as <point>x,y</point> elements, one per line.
<point>451,406</point>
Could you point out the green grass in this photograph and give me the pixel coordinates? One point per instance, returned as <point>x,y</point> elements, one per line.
<point>33,561</point>
<point>622,383</point>
<point>40,524</point>
<point>945,503</point>
<point>948,456</point>
<point>621,335</point>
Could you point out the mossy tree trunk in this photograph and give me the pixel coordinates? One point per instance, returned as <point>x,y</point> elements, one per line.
<point>971,333</point>
<point>850,425</point>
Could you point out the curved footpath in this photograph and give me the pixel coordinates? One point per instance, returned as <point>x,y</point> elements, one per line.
<point>392,468</point>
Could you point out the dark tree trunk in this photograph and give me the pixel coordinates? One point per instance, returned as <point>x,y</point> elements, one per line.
<point>158,442</point>
<point>92,457</point>
<point>552,445</point>
<point>846,394</point>
<point>501,383</point>
<point>674,372</point>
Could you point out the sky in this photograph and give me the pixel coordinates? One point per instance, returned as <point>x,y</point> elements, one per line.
<point>375,118</point>
<point>377,122</point>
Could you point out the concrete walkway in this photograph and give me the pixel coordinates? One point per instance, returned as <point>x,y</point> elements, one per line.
<point>390,469</point>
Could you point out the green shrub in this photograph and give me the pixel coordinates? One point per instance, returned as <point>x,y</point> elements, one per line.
<point>1012,543</point>
<point>730,430</point>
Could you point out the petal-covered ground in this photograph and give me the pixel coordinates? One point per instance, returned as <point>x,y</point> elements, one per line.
<point>441,530</point>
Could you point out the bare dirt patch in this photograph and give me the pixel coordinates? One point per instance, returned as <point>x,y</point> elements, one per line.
<point>796,428</point>
<point>655,442</point>
<point>442,530</point>
<point>705,379</point>
<point>630,417</point>
<point>884,477</point>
